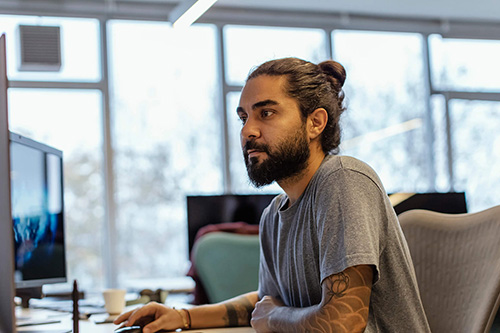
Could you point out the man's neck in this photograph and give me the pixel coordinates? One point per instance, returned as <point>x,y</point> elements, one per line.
<point>295,186</point>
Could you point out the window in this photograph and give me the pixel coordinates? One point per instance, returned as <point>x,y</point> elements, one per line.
<point>476,151</point>
<point>70,120</point>
<point>167,115</point>
<point>461,64</point>
<point>247,47</point>
<point>384,124</point>
<point>167,140</point>
<point>467,66</point>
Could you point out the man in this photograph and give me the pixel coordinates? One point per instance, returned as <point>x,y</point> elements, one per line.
<point>333,257</point>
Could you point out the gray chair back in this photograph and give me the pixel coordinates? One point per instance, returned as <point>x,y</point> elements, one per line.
<point>457,263</point>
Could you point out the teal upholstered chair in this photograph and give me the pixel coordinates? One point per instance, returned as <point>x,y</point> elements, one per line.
<point>227,264</point>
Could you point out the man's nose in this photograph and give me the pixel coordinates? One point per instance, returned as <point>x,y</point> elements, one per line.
<point>250,130</point>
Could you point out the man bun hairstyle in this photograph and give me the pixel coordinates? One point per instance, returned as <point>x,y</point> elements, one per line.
<point>336,71</point>
<point>313,86</point>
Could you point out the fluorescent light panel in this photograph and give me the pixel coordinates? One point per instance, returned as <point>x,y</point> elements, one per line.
<point>382,133</point>
<point>189,11</point>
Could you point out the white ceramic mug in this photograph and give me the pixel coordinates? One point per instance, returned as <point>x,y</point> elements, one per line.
<point>114,300</point>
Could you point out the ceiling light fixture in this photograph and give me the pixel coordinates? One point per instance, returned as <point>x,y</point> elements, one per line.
<point>188,11</point>
<point>383,133</point>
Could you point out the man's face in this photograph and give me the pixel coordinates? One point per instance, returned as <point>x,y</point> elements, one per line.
<point>274,140</point>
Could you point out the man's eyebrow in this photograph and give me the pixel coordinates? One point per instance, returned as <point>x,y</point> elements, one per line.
<point>264,103</point>
<point>258,105</point>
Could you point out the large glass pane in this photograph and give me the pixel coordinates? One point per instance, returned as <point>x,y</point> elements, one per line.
<point>247,46</point>
<point>476,151</point>
<point>70,120</point>
<point>239,178</point>
<point>167,140</point>
<point>79,48</point>
<point>465,64</point>
<point>384,124</point>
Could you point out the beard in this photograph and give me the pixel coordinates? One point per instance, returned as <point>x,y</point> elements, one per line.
<point>285,160</point>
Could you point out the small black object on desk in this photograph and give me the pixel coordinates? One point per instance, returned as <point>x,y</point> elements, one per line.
<point>76,315</point>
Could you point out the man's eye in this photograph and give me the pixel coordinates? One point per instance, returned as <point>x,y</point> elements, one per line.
<point>266,113</point>
<point>243,119</point>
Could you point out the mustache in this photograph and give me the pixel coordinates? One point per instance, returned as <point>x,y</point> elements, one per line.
<point>252,145</point>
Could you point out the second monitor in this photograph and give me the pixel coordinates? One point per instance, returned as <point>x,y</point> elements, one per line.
<point>37,200</point>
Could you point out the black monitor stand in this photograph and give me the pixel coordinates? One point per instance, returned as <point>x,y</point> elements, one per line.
<point>27,293</point>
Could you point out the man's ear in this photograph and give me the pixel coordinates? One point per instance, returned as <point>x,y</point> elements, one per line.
<point>316,123</point>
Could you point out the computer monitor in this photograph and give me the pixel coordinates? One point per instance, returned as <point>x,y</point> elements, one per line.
<point>7,320</point>
<point>37,203</point>
<point>448,202</point>
<point>215,209</point>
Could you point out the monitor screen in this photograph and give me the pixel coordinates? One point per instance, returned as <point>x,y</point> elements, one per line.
<point>450,202</point>
<point>36,176</point>
<point>215,209</point>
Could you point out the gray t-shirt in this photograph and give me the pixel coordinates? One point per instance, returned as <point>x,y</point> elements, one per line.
<point>344,218</point>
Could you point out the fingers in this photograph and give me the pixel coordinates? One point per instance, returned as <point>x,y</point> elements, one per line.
<point>152,317</point>
<point>266,299</point>
<point>132,316</point>
<point>139,315</point>
<point>121,318</point>
<point>157,325</point>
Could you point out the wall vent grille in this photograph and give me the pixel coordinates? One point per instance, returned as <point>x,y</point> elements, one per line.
<point>40,48</point>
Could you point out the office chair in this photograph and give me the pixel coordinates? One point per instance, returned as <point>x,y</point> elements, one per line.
<point>227,264</point>
<point>457,263</point>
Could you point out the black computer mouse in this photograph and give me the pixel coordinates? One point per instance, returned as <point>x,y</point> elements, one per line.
<point>129,329</point>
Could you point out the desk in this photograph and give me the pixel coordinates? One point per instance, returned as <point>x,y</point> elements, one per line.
<point>88,326</point>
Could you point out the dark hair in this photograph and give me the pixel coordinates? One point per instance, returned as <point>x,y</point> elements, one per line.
<point>314,86</point>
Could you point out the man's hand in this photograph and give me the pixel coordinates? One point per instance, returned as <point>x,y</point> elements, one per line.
<point>263,310</point>
<point>153,317</point>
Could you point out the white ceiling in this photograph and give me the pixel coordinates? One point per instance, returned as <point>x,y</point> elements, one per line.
<point>478,10</point>
<point>442,10</point>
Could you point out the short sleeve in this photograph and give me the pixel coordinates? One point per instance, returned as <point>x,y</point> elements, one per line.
<point>350,220</point>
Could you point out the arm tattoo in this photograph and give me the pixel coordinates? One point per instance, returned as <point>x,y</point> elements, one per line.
<point>346,303</point>
<point>238,313</point>
<point>338,285</point>
<point>232,315</point>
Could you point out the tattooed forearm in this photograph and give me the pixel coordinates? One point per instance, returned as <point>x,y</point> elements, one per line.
<point>344,306</point>
<point>238,313</point>
<point>346,298</point>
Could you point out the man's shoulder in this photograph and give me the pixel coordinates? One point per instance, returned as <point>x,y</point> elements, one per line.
<point>340,168</point>
<point>335,163</point>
